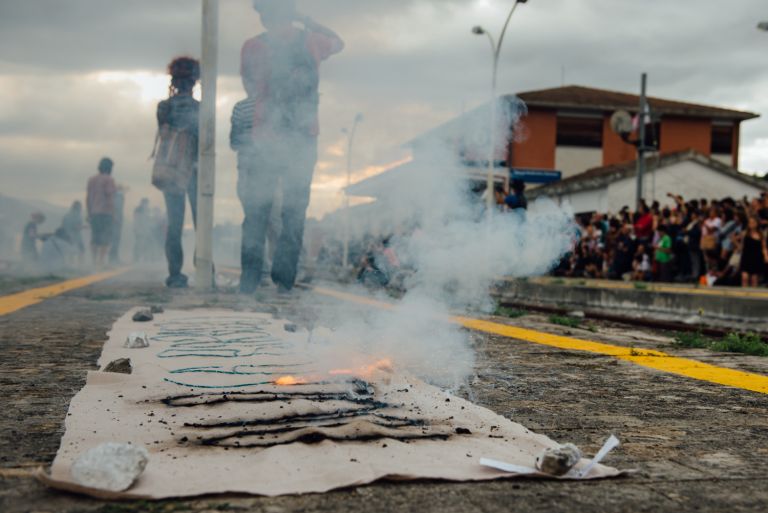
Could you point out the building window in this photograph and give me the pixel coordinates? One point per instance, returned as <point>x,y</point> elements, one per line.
<point>585,132</point>
<point>722,138</point>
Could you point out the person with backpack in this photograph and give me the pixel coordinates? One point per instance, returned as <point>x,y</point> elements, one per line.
<point>275,134</point>
<point>175,154</point>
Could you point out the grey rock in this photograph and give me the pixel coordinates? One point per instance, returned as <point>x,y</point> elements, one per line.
<point>559,461</point>
<point>143,315</point>
<point>291,327</point>
<point>119,366</point>
<point>578,314</point>
<point>137,340</point>
<point>156,309</point>
<point>110,466</point>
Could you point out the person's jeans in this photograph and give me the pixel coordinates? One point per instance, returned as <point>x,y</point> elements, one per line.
<point>175,206</point>
<point>696,264</point>
<point>290,162</point>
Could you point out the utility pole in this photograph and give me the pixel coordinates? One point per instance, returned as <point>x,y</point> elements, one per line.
<point>496,53</point>
<point>641,148</point>
<point>206,173</point>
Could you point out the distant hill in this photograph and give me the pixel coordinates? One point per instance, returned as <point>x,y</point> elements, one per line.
<point>14,214</point>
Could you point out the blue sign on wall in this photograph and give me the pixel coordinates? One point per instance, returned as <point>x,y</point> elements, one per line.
<point>535,175</point>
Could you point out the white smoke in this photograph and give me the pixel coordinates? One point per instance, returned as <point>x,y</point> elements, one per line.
<point>456,252</point>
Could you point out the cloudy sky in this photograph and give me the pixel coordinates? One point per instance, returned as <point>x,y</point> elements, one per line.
<point>79,79</point>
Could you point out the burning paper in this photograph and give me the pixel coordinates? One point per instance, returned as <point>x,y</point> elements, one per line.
<point>227,402</point>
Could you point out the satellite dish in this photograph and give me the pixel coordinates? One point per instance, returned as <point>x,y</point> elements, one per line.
<point>621,122</point>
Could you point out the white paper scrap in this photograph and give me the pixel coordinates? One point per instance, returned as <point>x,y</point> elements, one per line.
<point>608,446</point>
<point>507,467</point>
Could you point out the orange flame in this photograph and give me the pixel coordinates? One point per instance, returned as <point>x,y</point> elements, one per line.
<point>366,371</point>
<point>285,381</point>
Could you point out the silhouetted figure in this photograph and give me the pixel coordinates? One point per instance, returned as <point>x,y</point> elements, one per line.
<point>175,171</point>
<point>72,223</point>
<point>57,253</point>
<point>100,203</point>
<point>275,134</point>
<point>29,238</point>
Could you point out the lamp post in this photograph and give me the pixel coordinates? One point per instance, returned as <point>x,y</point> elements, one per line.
<point>496,52</point>
<point>358,119</point>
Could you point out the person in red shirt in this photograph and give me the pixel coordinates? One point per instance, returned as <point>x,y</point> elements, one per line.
<point>280,73</point>
<point>643,224</point>
<point>100,202</point>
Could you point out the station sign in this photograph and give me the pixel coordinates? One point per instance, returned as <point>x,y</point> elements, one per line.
<point>535,175</point>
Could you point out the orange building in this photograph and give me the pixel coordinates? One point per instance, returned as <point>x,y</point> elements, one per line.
<point>568,129</point>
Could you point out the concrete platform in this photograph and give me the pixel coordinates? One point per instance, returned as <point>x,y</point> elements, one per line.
<point>699,446</point>
<point>745,309</point>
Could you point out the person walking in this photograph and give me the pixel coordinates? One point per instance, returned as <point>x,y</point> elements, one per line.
<point>175,169</point>
<point>280,73</point>
<point>100,202</point>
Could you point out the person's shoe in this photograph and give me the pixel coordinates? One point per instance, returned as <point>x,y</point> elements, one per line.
<point>247,287</point>
<point>283,290</point>
<point>180,281</point>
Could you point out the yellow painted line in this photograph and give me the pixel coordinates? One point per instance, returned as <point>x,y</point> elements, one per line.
<point>655,287</point>
<point>651,359</point>
<point>352,298</point>
<point>646,358</point>
<point>15,302</point>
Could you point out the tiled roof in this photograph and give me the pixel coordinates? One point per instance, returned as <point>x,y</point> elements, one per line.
<point>580,97</point>
<point>599,177</point>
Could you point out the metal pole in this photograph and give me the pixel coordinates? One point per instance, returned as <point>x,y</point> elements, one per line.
<point>492,143</point>
<point>206,174</point>
<point>641,147</point>
<point>345,256</point>
<point>496,48</point>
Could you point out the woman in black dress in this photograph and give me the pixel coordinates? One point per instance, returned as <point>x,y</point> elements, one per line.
<point>753,254</point>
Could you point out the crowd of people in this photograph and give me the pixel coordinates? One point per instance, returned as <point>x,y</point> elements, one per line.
<point>708,242</point>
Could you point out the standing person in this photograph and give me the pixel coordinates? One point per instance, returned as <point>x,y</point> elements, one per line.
<point>175,171</point>
<point>117,226</point>
<point>643,224</point>
<point>280,72</point>
<point>29,238</point>
<point>663,254</point>
<point>710,238</point>
<point>73,226</point>
<point>693,241</point>
<point>754,253</point>
<point>517,200</point>
<point>100,202</point>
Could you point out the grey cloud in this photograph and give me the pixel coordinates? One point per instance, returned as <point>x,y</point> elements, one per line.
<point>409,65</point>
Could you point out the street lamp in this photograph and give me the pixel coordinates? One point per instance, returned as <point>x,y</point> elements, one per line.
<point>496,51</point>
<point>358,119</point>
